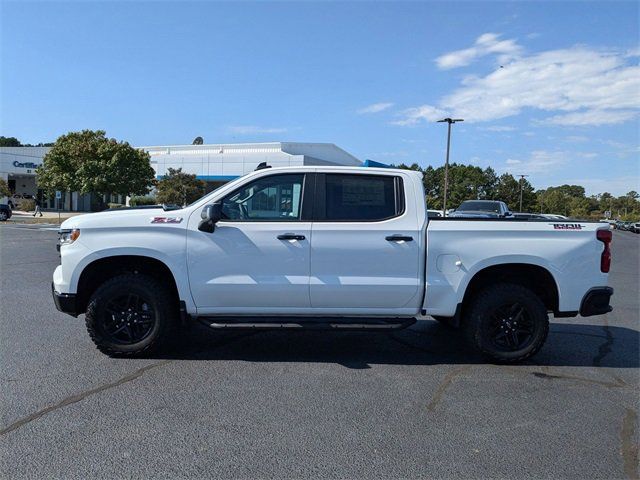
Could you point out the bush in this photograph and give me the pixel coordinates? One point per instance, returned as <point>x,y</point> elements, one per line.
<point>27,205</point>
<point>115,205</point>
<point>138,201</point>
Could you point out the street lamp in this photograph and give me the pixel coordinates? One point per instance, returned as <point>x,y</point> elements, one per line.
<point>446,163</point>
<point>522,177</point>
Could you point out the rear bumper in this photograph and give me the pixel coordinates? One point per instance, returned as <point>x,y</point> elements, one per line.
<point>65,302</point>
<point>596,302</point>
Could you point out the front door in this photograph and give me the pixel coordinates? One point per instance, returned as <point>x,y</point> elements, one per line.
<point>257,259</point>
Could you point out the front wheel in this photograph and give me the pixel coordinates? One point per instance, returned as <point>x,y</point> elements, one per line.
<point>507,323</point>
<point>3,216</point>
<point>130,315</point>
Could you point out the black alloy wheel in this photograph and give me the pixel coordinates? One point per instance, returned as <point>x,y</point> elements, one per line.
<point>129,319</point>
<point>510,327</point>
<point>506,322</point>
<point>132,315</point>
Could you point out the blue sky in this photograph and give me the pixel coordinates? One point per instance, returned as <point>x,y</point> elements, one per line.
<point>547,89</point>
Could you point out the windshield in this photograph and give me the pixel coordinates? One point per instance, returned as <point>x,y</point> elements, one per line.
<point>479,206</point>
<point>207,194</point>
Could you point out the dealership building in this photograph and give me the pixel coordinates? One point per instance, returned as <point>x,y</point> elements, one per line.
<point>214,164</point>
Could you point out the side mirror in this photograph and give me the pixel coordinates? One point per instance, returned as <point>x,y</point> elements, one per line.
<point>210,215</point>
<point>508,214</point>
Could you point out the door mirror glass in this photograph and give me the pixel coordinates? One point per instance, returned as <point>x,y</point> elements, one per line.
<point>210,215</point>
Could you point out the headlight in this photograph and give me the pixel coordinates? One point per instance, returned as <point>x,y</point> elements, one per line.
<point>67,237</point>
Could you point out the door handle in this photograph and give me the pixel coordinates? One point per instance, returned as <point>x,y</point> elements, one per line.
<point>291,236</point>
<point>399,238</point>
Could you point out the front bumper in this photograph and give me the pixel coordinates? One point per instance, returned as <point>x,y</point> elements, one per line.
<point>596,302</point>
<point>65,302</point>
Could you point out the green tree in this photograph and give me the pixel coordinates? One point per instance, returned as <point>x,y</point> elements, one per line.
<point>9,142</point>
<point>4,188</point>
<point>179,188</point>
<point>466,182</point>
<point>88,161</point>
<point>508,190</point>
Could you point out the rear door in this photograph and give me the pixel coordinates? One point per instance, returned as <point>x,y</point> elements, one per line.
<point>365,245</point>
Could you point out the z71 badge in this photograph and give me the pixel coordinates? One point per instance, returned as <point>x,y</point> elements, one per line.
<point>567,226</point>
<point>166,219</point>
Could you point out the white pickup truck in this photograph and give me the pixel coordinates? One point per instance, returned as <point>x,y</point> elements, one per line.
<point>326,247</point>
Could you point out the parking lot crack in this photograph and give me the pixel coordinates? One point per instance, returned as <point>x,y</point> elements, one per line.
<point>107,386</point>
<point>445,384</point>
<point>629,444</point>
<point>81,396</point>
<point>617,384</point>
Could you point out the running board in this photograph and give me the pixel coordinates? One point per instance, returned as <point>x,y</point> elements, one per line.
<point>277,323</point>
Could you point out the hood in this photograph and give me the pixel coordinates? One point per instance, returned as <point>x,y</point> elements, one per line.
<point>124,218</point>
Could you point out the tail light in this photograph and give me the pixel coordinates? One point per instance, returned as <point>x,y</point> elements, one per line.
<point>605,259</point>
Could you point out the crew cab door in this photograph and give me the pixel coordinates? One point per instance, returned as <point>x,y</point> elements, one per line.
<point>257,258</point>
<point>366,245</point>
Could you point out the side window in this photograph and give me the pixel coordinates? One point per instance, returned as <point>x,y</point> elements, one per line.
<point>362,197</point>
<point>274,198</point>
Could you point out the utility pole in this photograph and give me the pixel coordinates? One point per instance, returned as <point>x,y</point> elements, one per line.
<point>446,163</point>
<point>521,184</point>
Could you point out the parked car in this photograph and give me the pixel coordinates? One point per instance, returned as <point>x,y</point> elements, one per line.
<point>636,227</point>
<point>326,247</point>
<point>627,226</point>
<point>16,199</point>
<point>5,212</point>
<point>482,209</point>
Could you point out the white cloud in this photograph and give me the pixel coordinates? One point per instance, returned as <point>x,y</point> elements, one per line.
<point>249,129</point>
<point>375,108</point>
<point>579,86</point>
<point>538,161</point>
<point>593,117</point>
<point>577,138</point>
<point>544,161</point>
<point>488,43</point>
<point>498,128</point>
<point>411,116</point>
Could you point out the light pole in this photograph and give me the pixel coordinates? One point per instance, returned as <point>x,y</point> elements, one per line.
<point>521,184</point>
<point>446,163</point>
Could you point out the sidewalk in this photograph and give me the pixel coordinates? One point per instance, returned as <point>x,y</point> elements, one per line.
<point>47,217</point>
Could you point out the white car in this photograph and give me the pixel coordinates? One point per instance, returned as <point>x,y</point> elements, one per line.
<point>330,247</point>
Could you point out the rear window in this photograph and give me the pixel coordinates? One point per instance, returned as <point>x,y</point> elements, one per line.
<point>362,197</point>
<point>479,206</point>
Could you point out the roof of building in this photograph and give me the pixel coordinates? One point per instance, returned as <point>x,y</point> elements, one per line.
<point>321,150</point>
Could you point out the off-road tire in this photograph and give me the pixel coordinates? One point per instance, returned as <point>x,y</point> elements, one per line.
<point>156,295</point>
<point>477,321</point>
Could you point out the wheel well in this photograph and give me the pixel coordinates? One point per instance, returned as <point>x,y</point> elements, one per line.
<point>533,277</point>
<point>99,271</point>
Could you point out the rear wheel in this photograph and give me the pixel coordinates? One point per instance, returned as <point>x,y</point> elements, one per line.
<point>131,315</point>
<point>507,323</point>
<point>3,216</point>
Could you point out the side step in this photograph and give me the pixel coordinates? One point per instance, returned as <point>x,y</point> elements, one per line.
<point>304,323</point>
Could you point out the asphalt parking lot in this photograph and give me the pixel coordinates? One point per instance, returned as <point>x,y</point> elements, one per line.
<point>412,404</point>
